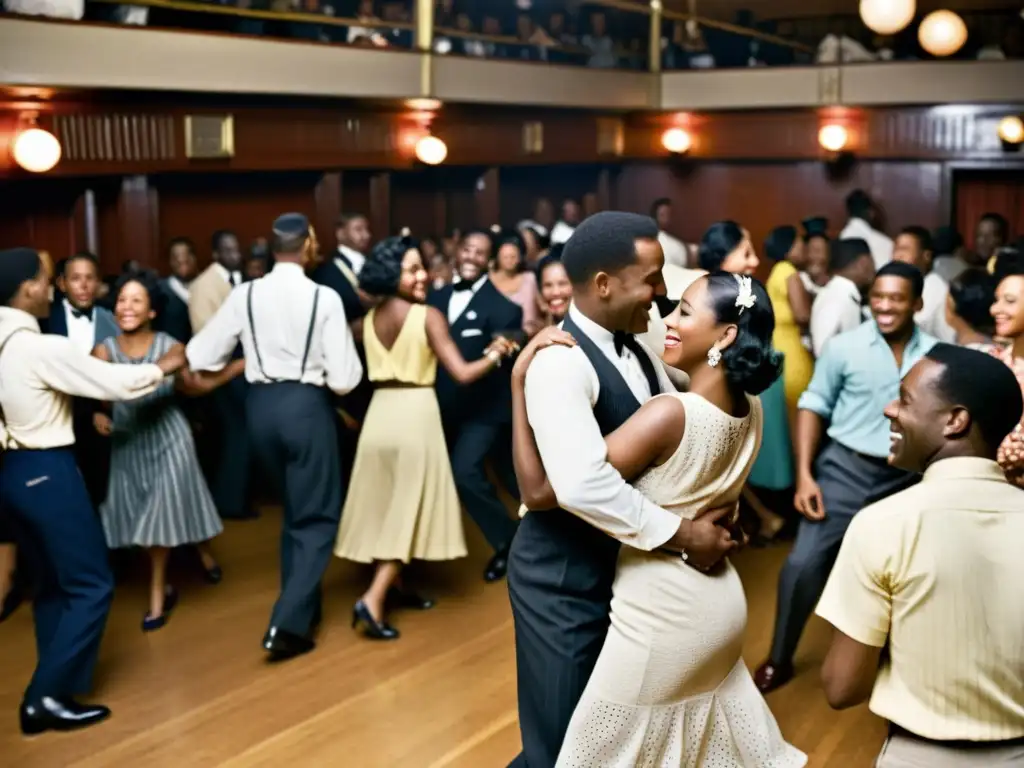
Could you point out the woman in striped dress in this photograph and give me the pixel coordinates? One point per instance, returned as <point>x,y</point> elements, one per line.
<point>157,498</point>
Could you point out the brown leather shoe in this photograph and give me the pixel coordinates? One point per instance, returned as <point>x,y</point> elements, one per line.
<point>770,676</point>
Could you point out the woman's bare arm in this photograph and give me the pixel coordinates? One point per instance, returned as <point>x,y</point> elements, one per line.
<point>198,383</point>
<point>440,340</point>
<point>648,438</point>
<point>534,489</point>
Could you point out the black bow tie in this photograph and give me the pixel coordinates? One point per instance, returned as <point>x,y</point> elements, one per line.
<point>462,285</point>
<point>80,313</point>
<point>625,340</point>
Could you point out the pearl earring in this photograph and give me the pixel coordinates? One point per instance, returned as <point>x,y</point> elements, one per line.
<point>714,357</point>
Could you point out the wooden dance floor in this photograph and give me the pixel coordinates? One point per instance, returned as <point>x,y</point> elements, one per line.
<point>199,693</point>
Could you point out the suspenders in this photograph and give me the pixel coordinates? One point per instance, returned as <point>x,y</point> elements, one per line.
<point>256,346</point>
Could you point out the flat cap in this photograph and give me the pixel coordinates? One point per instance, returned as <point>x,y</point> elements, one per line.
<point>291,225</point>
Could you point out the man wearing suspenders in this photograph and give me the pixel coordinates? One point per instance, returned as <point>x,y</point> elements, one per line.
<point>297,345</point>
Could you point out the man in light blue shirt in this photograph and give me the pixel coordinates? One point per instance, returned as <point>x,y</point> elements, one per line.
<point>856,377</point>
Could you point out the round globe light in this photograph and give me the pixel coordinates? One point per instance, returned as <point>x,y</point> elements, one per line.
<point>942,33</point>
<point>676,141</point>
<point>887,17</point>
<point>36,150</point>
<point>1011,129</point>
<point>833,138</point>
<point>431,150</point>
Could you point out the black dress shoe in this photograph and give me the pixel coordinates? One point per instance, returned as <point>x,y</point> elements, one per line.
<point>213,575</point>
<point>400,598</point>
<point>373,629</point>
<point>50,714</point>
<point>282,644</point>
<point>497,567</point>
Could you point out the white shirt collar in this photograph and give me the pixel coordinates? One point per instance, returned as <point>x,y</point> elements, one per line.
<point>596,333</point>
<point>179,288</point>
<point>287,268</point>
<point>476,286</point>
<point>226,275</point>
<point>841,284</point>
<point>86,316</point>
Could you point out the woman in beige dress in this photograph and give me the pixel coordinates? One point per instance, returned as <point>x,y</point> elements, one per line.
<point>670,687</point>
<point>402,504</point>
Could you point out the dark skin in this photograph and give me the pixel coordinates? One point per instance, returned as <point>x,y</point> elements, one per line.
<point>893,306</point>
<point>653,433</point>
<point>926,428</point>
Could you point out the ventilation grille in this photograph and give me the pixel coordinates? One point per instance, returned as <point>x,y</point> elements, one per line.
<point>116,138</point>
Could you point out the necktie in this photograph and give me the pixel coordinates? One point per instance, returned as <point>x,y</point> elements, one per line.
<point>236,279</point>
<point>462,285</point>
<point>625,340</point>
<point>78,314</point>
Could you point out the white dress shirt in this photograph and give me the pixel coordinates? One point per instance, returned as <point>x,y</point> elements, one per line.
<point>561,390</point>
<point>39,373</point>
<point>234,277</point>
<point>354,258</point>
<point>836,310</point>
<point>81,330</point>
<point>932,317</point>
<point>282,304</point>
<point>460,299</point>
<point>881,244</point>
<point>178,288</point>
<point>561,232</point>
<point>676,252</point>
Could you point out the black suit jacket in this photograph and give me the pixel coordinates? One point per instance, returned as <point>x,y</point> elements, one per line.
<point>173,318</point>
<point>489,399</point>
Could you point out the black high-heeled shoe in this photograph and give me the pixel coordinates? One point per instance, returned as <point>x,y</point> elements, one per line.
<point>373,629</point>
<point>153,623</point>
<point>401,598</point>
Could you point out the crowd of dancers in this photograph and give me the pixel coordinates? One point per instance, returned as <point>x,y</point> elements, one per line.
<point>627,388</point>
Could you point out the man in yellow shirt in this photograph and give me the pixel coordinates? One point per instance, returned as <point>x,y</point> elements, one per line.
<point>932,575</point>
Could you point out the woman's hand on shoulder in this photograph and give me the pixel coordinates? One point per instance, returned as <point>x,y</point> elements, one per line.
<point>547,337</point>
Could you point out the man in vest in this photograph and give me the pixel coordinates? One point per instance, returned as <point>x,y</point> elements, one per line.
<point>562,562</point>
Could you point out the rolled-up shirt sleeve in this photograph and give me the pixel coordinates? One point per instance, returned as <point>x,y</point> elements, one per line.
<point>212,347</point>
<point>826,383</point>
<point>341,362</point>
<point>559,404</point>
<point>65,369</point>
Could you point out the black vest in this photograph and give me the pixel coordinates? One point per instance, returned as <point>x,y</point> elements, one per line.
<point>590,554</point>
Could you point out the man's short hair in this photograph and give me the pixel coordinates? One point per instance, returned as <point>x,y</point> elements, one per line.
<point>908,272</point>
<point>843,253</point>
<point>922,235</point>
<point>858,204</point>
<point>658,204</point>
<point>982,384</point>
<point>346,218</point>
<point>605,242</point>
<point>80,256</point>
<point>218,236</point>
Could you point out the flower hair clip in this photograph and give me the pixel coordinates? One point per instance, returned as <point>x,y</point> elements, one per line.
<point>746,298</point>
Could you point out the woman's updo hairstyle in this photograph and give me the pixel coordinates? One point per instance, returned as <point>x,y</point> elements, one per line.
<point>779,243</point>
<point>721,239</point>
<point>382,271</point>
<point>815,226</point>
<point>149,280</point>
<point>751,363</point>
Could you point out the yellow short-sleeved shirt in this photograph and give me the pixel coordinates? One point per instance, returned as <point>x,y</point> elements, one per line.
<point>938,570</point>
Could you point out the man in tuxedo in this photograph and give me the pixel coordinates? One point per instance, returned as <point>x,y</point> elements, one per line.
<point>206,294</point>
<point>77,316</point>
<point>181,256</point>
<point>478,417</point>
<point>340,272</point>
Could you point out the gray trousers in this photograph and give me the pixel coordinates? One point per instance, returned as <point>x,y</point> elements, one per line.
<point>849,482</point>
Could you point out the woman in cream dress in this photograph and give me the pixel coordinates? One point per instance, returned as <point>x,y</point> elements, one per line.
<point>402,504</point>
<point>670,687</point>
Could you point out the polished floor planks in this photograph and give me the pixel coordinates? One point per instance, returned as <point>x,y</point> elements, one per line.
<point>443,696</point>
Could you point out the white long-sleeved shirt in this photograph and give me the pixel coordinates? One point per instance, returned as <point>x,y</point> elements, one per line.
<point>836,309</point>
<point>932,318</point>
<point>282,305</point>
<point>561,390</point>
<point>40,373</point>
<point>879,243</point>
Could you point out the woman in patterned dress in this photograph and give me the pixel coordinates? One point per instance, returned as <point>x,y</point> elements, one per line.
<point>157,498</point>
<point>1008,313</point>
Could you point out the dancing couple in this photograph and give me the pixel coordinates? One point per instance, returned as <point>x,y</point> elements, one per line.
<point>631,656</point>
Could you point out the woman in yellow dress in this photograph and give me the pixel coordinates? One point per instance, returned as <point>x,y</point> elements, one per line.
<point>792,305</point>
<point>402,503</point>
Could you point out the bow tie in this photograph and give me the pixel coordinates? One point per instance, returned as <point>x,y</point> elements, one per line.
<point>625,340</point>
<point>462,285</point>
<point>78,314</point>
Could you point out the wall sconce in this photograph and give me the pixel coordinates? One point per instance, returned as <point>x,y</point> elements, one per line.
<point>677,141</point>
<point>942,33</point>
<point>1011,131</point>
<point>833,137</point>
<point>430,150</point>
<point>36,150</point>
<point>887,17</point>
